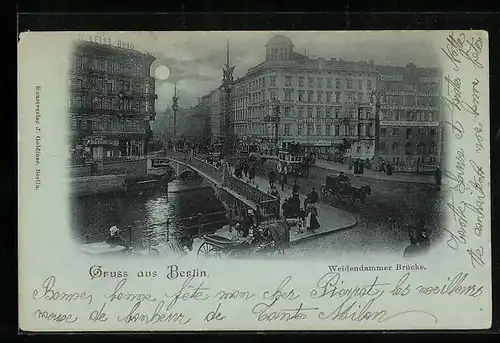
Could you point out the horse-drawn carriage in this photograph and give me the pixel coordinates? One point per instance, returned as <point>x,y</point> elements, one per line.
<point>340,188</point>
<point>268,238</point>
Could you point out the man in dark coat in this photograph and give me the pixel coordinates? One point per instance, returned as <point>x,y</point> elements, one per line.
<point>272,178</point>
<point>283,181</point>
<point>295,188</point>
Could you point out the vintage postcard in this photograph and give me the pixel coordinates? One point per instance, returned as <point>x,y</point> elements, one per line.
<point>180,181</point>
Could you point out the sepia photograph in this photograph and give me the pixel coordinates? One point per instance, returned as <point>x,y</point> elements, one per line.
<point>288,144</point>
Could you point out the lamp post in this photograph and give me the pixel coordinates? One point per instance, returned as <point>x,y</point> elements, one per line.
<point>276,118</point>
<point>376,96</point>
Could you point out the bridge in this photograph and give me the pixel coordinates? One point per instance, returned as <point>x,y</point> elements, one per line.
<point>236,195</point>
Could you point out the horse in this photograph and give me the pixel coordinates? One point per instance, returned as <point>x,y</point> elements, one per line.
<point>360,194</point>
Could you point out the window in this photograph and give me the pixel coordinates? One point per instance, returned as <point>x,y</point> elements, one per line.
<point>328,129</point>
<point>369,84</point>
<point>337,96</point>
<point>329,83</point>
<point>309,96</point>
<point>337,83</point>
<point>309,112</point>
<point>97,103</point>
<point>319,112</point>
<point>309,129</point>
<point>337,130</point>
<point>328,96</point>
<point>421,131</point>
<point>350,99</point>
<point>318,130</point>
<point>320,82</point>
<point>301,95</point>
<point>77,102</point>
<point>301,81</point>
<point>433,148</point>
<point>288,95</point>
<point>274,95</point>
<point>273,81</point>
<point>301,112</point>
<point>351,130</point>
<point>369,130</point>
<point>320,96</point>
<point>337,112</point>
<point>78,83</point>
<point>349,84</point>
<point>433,132</point>
<point>383,131</point>
<point>328,112</point>
<point>360,84</point>
<point>300,129</point>
<point>310,81</point>
<point>408,132</point>
<point>352,113</point>
<point>77,62</point>
<point>358,149</point>
<point>287,111</point>
<point>288,81</point>
<point>420,148</point>
<point>395,131</point>
<point>408,148</point>
<point>286,130</point>
<point>368,113</point>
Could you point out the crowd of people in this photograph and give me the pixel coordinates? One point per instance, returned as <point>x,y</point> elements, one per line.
<point>245,168</point>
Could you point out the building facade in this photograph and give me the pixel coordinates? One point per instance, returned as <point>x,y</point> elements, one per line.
<point>112,101</point>
<point>322,103</point>
<point>410,121</point>
<point>329,105</point>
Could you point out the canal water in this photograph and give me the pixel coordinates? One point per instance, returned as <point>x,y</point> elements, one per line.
<point>141,216</point>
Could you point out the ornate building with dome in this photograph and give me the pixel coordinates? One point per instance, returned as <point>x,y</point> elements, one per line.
<point>322,102</point>
<point>330,104</point>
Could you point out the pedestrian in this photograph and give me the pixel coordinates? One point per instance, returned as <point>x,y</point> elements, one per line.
<point>300,226</point>
<point>312,222</point>
<point>295,188</point>
<point>389,169</point>
<point>286,208</point>
<point>251,175</point>
<point>245,168</point>
<point>272,177</point>
<point>283,181</point>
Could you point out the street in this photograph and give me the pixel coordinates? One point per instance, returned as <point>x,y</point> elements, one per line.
<point>391,209</point>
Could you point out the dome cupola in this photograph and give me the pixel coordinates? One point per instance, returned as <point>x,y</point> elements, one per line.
<point>279,48</point>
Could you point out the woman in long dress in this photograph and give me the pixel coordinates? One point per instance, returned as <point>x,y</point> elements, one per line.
<point>312,222</point>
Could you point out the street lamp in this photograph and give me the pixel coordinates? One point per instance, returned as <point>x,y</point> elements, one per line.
<point>375,97</point>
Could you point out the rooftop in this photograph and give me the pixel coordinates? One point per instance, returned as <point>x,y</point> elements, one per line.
<point>279,40</point>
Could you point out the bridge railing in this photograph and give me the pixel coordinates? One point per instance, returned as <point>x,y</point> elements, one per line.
<point>268,204</point>
<point>203,166</point>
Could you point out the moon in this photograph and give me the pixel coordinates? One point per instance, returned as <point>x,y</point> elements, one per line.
<point>162,72</point>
